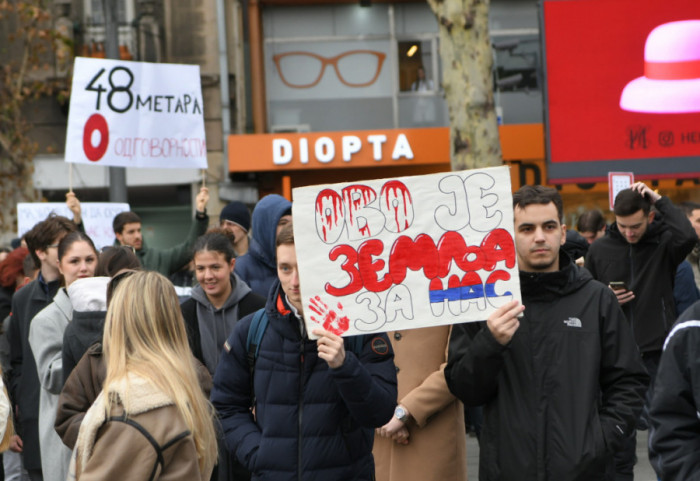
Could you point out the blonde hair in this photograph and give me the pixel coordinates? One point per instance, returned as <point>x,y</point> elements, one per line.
<point>9,427</point>
<point>145,335</point>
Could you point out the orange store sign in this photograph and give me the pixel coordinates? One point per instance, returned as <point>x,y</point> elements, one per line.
<point>321,150</point>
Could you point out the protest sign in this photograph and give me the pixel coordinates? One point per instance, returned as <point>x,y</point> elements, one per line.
<point>404,253</point>
<point>136,114</point>
<point>97,217</point>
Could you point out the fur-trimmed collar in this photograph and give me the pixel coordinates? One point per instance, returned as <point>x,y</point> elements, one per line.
<point>136,395</point>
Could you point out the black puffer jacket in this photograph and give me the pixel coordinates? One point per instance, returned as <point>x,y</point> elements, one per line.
<point>649,269</point>
<point>561,396</point>
<point>311,423</point>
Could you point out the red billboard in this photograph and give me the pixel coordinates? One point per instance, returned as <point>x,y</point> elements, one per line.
<point>622,88</point>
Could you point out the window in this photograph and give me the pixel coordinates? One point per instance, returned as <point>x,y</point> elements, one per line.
<point>416,66</point>
<point>94,37</point>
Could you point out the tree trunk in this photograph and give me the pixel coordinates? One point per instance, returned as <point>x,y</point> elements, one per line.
<point>23,77</point>
<point>465,52</point>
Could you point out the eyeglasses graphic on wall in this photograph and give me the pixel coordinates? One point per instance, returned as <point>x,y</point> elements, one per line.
<point>354,68</point>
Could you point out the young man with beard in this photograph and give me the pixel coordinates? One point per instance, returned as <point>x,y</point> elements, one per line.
<point>560,378</point>
<point>127,231</point>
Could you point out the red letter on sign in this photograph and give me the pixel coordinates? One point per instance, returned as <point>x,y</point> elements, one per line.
<point>349,266</point>
<point>95,122</point>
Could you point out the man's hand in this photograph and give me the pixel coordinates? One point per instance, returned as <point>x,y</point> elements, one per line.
<point>73,205</point>
<point>401,436</point>
<point>503,322</point>
<point>330,348</point>
<point>623,295</point>
<point>644,190</point>
<point>394,430</point>
<point>16,444</point>
<point>202,199</point>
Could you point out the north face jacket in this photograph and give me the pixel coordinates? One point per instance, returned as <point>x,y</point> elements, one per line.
<point>649,269</point>
<point>311,423</point>
<point>562,395</point>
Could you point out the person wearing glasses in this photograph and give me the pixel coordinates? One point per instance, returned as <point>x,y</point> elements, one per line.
<point>42,241</point>
<point>77,260</point>
<point>127,230</point>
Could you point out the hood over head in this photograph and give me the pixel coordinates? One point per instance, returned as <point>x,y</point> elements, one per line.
<point>266,215</point>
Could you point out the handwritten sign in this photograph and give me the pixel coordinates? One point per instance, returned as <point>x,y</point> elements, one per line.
<point>618,181</point>
<point>407,252</point>
<point>136,114</point>
<point>97,217</point>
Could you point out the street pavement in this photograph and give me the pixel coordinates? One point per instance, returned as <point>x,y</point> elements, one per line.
<point>642,471</point>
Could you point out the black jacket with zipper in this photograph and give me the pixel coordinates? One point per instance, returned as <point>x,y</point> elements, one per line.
<point>649,269</point>
<point>562,395</point>
<point>674,438</point>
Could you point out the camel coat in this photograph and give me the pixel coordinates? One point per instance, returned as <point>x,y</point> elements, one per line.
<point>436,448</point>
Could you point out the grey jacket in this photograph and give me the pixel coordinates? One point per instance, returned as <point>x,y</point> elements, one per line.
<point>46,341</point>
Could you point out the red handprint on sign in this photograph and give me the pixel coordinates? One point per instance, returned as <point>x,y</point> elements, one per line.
<point>331,321</point>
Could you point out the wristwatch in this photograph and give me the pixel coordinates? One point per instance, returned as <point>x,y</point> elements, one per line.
<point>401,414</point>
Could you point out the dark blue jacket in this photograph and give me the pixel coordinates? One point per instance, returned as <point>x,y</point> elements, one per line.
<point>258,266</point>
<point>685,292</point>
<point>311,423</point>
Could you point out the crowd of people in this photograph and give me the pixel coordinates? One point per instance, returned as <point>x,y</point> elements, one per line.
<point>113,373</point>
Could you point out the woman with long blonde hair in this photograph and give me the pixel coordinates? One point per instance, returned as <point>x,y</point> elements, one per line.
<point>151,420</point>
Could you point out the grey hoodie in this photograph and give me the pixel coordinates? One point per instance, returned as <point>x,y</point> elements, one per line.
<point>215,325</point>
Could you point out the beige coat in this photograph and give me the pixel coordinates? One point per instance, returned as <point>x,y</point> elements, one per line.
<point>437,442</point>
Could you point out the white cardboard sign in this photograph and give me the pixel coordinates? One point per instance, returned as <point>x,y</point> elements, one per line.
<point>97,217</point>
<point>407,252</point>
<point>136,114</point>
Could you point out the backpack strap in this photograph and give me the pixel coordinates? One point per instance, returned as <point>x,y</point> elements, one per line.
<point>255,334</point>
<point>189,313</point>
<point>250,303</point>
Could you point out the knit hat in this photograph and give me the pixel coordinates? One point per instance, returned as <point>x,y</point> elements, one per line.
<point>236,212</point>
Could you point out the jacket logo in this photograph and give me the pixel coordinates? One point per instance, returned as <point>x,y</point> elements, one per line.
<point>227,347</point>
<point>379,346</point>
<point>573,322</point>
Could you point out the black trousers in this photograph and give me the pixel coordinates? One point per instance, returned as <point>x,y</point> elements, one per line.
<point>626,457</point>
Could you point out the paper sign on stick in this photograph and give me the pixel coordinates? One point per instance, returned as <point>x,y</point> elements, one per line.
<point>97,217</point>
<point>404,253</point>
<point>136,114</point>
